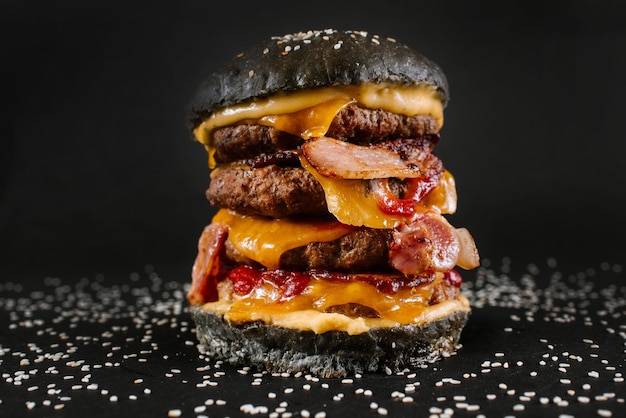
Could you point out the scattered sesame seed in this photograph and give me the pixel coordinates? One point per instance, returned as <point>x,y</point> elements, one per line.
<point>158,307</point>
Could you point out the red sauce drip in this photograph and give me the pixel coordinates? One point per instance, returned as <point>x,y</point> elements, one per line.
<point>417,189</point>
<point>453,277</point>
<point>292,283</point>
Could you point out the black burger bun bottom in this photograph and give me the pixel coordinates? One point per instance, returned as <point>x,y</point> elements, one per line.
<point>278,349</point>
<point>286,278</point>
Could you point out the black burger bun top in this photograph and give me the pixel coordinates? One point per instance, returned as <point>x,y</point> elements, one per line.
<point>313,59</point>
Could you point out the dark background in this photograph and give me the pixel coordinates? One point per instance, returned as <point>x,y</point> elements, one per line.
<point>98,172</point>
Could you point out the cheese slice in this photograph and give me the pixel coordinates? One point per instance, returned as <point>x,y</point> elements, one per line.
<point>264,240</point>
<point>309,113</point>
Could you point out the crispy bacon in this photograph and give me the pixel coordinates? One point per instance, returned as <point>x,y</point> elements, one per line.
<point>425,243</point>
<point>333,158</point>
<point>206,267</point>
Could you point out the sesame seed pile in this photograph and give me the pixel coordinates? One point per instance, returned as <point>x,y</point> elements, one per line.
<point>540,342</point>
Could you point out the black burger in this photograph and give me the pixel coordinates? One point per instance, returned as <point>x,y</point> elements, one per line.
<point>329,253</point>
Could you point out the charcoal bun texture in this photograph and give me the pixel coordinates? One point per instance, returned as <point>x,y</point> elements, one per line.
<point>313,59</point>
<point>330,354</point>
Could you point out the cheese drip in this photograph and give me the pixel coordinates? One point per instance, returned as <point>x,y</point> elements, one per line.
<point>306,311</point>
<point>264,240</point>
<point>309,113</point>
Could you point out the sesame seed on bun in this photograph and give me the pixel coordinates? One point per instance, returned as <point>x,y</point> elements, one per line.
<point>314,59</point>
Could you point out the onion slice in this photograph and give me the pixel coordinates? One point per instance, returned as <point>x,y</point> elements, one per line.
<point>468,253</point>
<point>339,159</point>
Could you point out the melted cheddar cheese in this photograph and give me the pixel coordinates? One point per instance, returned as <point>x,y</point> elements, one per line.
<point>350,201</point>
<point>309,113</point>
<point>306,311</point>
<point>264,240</point>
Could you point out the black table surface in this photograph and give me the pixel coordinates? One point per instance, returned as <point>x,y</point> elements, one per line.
<point>542,340</point>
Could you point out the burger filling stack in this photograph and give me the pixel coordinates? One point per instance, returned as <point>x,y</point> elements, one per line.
<point>330,251</point>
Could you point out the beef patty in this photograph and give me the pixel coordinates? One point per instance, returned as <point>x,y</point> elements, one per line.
<point>274,191</point>
<point>353,124</point>
<point>363,250</point>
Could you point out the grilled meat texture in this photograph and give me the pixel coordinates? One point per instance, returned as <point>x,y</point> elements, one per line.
<point>352,124</point>
<point>363,250</point>
<point>272,191</point>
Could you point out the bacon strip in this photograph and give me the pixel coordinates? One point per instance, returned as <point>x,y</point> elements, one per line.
<point>333,158</point>
<point>425,243</point>
<point>206,267</point>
